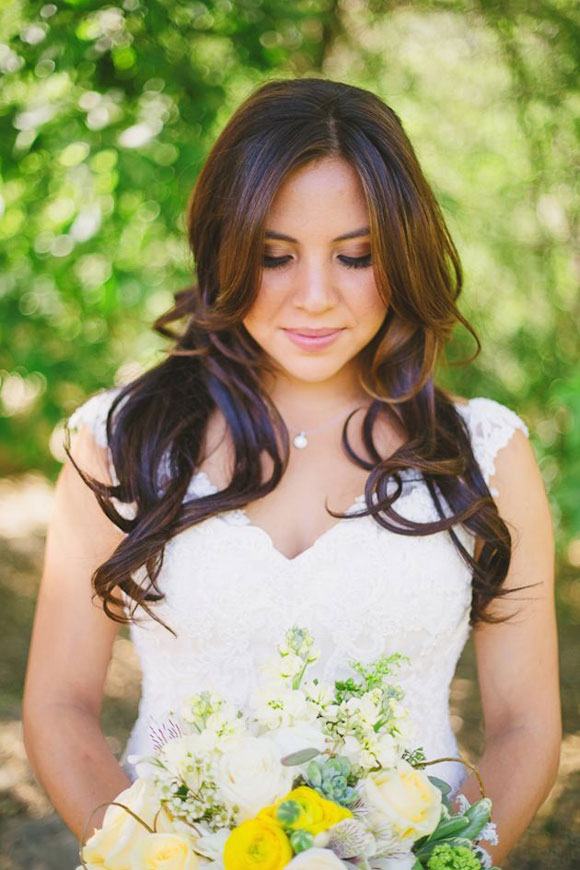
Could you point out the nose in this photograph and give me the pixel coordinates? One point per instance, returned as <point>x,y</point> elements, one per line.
<point>315,291</point>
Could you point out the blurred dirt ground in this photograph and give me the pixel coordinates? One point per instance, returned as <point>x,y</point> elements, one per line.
<point>31,835</point>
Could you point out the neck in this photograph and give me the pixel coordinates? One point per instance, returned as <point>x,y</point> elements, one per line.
<point>304,403</point>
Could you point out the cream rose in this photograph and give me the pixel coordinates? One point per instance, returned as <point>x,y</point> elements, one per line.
<point>251,777</point>
<point>404,799</point>
<point>165,852</point>
<point>112,845</point>
<point>316,859</point>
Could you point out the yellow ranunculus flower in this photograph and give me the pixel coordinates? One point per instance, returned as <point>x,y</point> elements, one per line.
<point>165,852</point>
<point>317,813</point>
<point>257,844</point>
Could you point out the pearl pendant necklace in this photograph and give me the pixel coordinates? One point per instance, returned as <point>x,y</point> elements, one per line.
<point>300,440</point>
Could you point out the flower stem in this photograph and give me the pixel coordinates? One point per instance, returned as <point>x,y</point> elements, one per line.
<point>100,807</point>
<point>472,767</point>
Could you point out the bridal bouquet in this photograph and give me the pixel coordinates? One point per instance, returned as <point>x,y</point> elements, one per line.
<point>317,777</point>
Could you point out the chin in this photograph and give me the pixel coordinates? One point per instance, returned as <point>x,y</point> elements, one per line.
<point>312,371</point>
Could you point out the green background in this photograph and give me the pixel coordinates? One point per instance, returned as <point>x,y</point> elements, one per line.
<point>106,115</point>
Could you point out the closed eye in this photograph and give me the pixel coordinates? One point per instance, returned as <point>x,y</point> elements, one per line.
<point>348,262</point>
<point>357,262</point>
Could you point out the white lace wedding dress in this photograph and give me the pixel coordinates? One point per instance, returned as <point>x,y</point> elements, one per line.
<point>361,590</point>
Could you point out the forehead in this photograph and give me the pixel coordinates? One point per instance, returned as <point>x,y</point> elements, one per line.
<point>325,195</point>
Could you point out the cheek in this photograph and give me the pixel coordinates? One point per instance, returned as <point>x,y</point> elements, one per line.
<point>266,305</point>
<point>367,305</point>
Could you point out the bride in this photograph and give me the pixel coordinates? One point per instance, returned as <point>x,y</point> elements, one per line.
<point>291,460</point>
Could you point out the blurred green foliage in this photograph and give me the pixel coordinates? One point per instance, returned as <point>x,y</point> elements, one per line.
<point>107,112</point>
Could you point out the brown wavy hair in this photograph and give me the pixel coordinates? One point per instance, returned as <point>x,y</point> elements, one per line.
<point>156,423</point>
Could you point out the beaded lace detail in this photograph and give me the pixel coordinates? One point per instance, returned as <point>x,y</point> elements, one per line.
<point>361,589</point>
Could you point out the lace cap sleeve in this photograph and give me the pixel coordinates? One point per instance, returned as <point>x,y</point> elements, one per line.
<point>491,426</point>
<point>93,412</point>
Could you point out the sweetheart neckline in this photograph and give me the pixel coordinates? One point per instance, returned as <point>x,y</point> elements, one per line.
<point>244,519</point>
<point>242,515</point>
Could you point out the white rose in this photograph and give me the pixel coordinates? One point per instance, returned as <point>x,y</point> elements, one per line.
<point>113,844</point>
<point>403,799</point>
<point>251,776</point>
<point>293,738</point>
<point>316,859</point>
<point>211,846</point>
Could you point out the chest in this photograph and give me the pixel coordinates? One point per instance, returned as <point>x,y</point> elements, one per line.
<point>294,515</point>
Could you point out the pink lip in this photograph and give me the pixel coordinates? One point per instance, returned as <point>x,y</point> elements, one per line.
<point>308,330</point>
<point>312,339</point>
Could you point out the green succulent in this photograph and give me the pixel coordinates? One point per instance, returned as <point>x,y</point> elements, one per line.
<point>301,840</point>
<point>332,779</point>
<point>288,812</point>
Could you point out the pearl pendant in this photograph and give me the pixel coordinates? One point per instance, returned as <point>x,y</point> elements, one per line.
<point>300,440</point>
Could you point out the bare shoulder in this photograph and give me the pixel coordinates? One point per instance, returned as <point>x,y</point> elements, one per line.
<point>88,452</point>
<point>517,476</point>
<point>459,400</point>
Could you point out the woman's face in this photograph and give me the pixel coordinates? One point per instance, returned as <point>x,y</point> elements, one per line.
<point>312,279</point>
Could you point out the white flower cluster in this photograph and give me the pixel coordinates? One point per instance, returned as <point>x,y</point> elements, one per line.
<point>215,719</point>
<point>370,728</point>
<point>184,773</point>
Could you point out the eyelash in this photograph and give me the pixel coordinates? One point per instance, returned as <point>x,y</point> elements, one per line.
<point>349,262</point>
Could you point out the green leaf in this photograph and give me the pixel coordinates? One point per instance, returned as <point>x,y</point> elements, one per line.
<point>479,815</point>
<point>443,786</point>
<point>450,828</point>
<point>300,757</point>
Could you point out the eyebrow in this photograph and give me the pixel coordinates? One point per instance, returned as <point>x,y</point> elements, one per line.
<point>362,231</point>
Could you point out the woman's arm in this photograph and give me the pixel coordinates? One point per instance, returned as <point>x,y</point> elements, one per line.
<point>517,661</point>
<point>71,647</point>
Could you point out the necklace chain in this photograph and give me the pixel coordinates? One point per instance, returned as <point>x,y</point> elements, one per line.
<point>300,440</point>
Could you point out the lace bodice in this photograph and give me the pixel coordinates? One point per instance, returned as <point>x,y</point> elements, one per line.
<point>362,591</point>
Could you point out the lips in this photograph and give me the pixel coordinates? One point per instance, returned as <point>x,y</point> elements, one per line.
<point>310,331</point>
<point>309,339</point>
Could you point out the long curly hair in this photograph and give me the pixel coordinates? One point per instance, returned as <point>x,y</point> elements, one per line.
<point>156,423</point>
